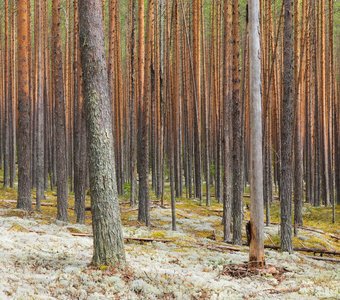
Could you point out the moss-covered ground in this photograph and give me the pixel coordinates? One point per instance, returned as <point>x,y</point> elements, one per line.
<point>196,220</point>
<point>187,263</point>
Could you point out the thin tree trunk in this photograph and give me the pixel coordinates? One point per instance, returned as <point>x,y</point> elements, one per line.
<point>40,155</point>
<point>141,67</point>
<point>286,131</point>
<point>24,142</point>
<point>298,147</point>
<point>7,94</point>
<point>197,95</point>
<point>227,125</point>
<point>61,149</point>
<point>237,132</point>
<point>132,93</point>
<point>80,161</point>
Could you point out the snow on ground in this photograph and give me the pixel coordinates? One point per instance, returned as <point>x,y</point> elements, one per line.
<point>39,261</point>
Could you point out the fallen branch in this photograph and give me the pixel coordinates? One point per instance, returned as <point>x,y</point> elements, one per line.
<point>334,237</point>
<point>147,240</point>
<point>81,234</point>
<point>284,291</point>
<point>136,208</point>
<point>320,231</point>
<point>183,215</point>
<point>311,229</point>
<point>309,250</point>
<point>219,211</point>
<point>127,239</point>
<point>222,249</point>
<point>33,203</point>
<point>328,259</point>
<point>219,248</point>
<point>248,196</point>
<point>46,204</point>
<point>274,291</point>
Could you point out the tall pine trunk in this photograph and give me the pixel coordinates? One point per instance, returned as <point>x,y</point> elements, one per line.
<point>61,152</point>
<point>237,131</point>
<point>287,130</point>
<point>256,251</point>
<point>24,141</point>
<point>106,224</point>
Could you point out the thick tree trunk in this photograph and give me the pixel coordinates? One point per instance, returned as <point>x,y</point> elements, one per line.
<point>256,251</point>
<point>107,231</point>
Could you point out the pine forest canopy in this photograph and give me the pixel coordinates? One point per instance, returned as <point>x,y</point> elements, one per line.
<point>165,98</point>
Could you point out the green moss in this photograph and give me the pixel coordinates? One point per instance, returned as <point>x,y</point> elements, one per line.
<point>18,228</point>
<point>181,248</point>
<point>103,268</point>
<point>316,217</point>
<point>74,230</point>
<point>309,241</point>
<point>273,240</point>
<point>8,194</point>
<point>158,234</point>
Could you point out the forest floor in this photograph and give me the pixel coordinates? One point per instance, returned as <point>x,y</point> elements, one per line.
<point>44,259</point>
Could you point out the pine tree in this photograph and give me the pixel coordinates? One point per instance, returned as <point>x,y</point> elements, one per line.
<point>24,141</point>
<point>107,231</point>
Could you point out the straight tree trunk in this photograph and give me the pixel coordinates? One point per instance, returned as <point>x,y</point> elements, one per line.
<point>61,150</point>
<point>298,147</point>
<point>40,155</point>
<point>206,108</point>
<point>7,94</point>
<point>227,124</point>
<point>145,124</point>
<point>324,109</point>
<point>132,103</point>
<point>332,90</point>
<point>80,161</point>
<point>237,131</point>
<point>24,142</point>
<point>287,130</point>
<point>256,251</point>
<point>197,95</point>
<point>2,95</point>
<point>141,67</point>
<point>13,94</point>
<point>107,230</point>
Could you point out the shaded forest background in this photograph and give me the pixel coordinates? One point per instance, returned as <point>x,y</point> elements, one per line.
<point>180,104</point>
